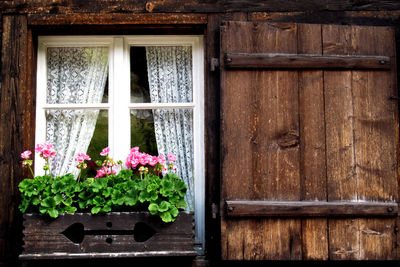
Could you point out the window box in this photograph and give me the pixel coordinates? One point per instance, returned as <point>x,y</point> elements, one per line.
<point>109,235</point>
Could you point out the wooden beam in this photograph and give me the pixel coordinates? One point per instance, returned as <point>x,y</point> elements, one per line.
<point>15,110</point>
<point>112,19</point>
<point>158,6</point>
<point>304,61</point>
<point>247,208</point>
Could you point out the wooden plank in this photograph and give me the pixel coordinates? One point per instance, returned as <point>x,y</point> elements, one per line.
<point>116,234</point>
<point>14,99</point>
<point>360,127</point>
<point>304,61</point>
<point>339,114</point>
<point>245,208</point>
<point>312,144</point>
<point>135,6</point>
<point>376,133</point>
<point>267,139</point>
<point>380,17</point>
<point>110,19</point>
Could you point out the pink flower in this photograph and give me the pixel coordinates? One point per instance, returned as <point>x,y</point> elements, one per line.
<point>153,161</point>
<point>173,167</point>
<point>135,149</point>
<point>104,172</point>
<point>105,151</point>
<point>26,154</point>
<point>46,150</point>
<point>171,157</point>
<point>81,157</point>
<point>39,148</point>
<point>161,159</point>
<point>164,171</point>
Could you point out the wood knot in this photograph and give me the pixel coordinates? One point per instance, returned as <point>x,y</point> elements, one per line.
<point>289,139</point>
<point>149,6</point>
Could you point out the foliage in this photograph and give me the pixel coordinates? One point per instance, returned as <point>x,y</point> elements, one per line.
<point>145,185</point>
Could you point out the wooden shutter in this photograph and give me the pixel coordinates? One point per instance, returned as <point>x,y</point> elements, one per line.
<point>309,142</point>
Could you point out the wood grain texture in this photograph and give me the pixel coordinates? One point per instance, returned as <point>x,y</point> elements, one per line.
<point>261,157</point>
<point>156,6</point>
<point>44,238</point>
<point>360,122</point>
<point>304,61</point>
<point>110,19</point>
<point>254,208</point>
<point>312,144</point>
<point>336,121</point>
<point>15,96</point>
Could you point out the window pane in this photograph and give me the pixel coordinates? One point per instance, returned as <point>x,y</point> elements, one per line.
<point>161,74</point>
<point>142,131</point>
<point>76,75</point>
<point>72,132</point>
<point>139,80</point>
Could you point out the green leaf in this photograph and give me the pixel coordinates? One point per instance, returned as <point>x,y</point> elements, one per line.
<point>106,208</point>
<point>131,197</point>
<point>58,198</point>
<point>48,202</point>
<point>153,208</point>
<point>174,211</point>
<point>70,209</point>
<point>181,204</point>
<point>117,197</point>
<point>82,204</point>
<point>107,192</point>
<point>24,205</point>
<point>95,210</point>
<point>164,206</point>
<point>35,201</point>
<point>67,202</point>
<point>166,216</point>
<point>53,213</point>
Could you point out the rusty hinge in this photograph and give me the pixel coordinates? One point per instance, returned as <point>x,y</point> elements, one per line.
<point>214,64</point>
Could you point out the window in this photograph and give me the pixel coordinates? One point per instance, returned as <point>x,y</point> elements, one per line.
<point>121,92</point>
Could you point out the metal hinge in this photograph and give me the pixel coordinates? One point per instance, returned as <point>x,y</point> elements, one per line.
<point>214,64</point>
<point>214,210</point>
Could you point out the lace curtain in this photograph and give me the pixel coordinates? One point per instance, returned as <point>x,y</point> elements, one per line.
<point>75,75</point>
<point>170,81</point>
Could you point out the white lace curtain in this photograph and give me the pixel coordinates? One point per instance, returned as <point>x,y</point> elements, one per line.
<point>170,80</point>
<point>75,75</point>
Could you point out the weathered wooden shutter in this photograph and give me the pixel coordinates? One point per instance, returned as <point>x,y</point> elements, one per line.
<point>309,142</point>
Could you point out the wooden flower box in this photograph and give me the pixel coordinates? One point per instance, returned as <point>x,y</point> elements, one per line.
<point>109,235</point>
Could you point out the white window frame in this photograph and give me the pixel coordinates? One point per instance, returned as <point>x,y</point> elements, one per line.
<point>119,105</point>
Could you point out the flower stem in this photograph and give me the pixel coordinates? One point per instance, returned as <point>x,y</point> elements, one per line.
<point>33,175</point>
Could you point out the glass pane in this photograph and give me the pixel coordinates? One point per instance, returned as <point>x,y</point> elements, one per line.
<point>72,132</point>
<point>139,80</point>
<point>76,75</point>
<point>161,74</point>
<point>142,131</point>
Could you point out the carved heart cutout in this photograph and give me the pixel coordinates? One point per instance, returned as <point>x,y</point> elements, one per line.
<point>142,232</point>
<point>75,233</point>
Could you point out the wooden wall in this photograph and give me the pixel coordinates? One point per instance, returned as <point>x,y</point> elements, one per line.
<point>22,20</point>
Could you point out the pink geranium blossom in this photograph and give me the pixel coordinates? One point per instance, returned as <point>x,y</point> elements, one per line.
<point>46,150</point>
<point>161,159</point>
<point>105,151</point>
<point>26,154</point>
<point>104,172</point>
<point>81,157</point>
<point>171,157</point>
